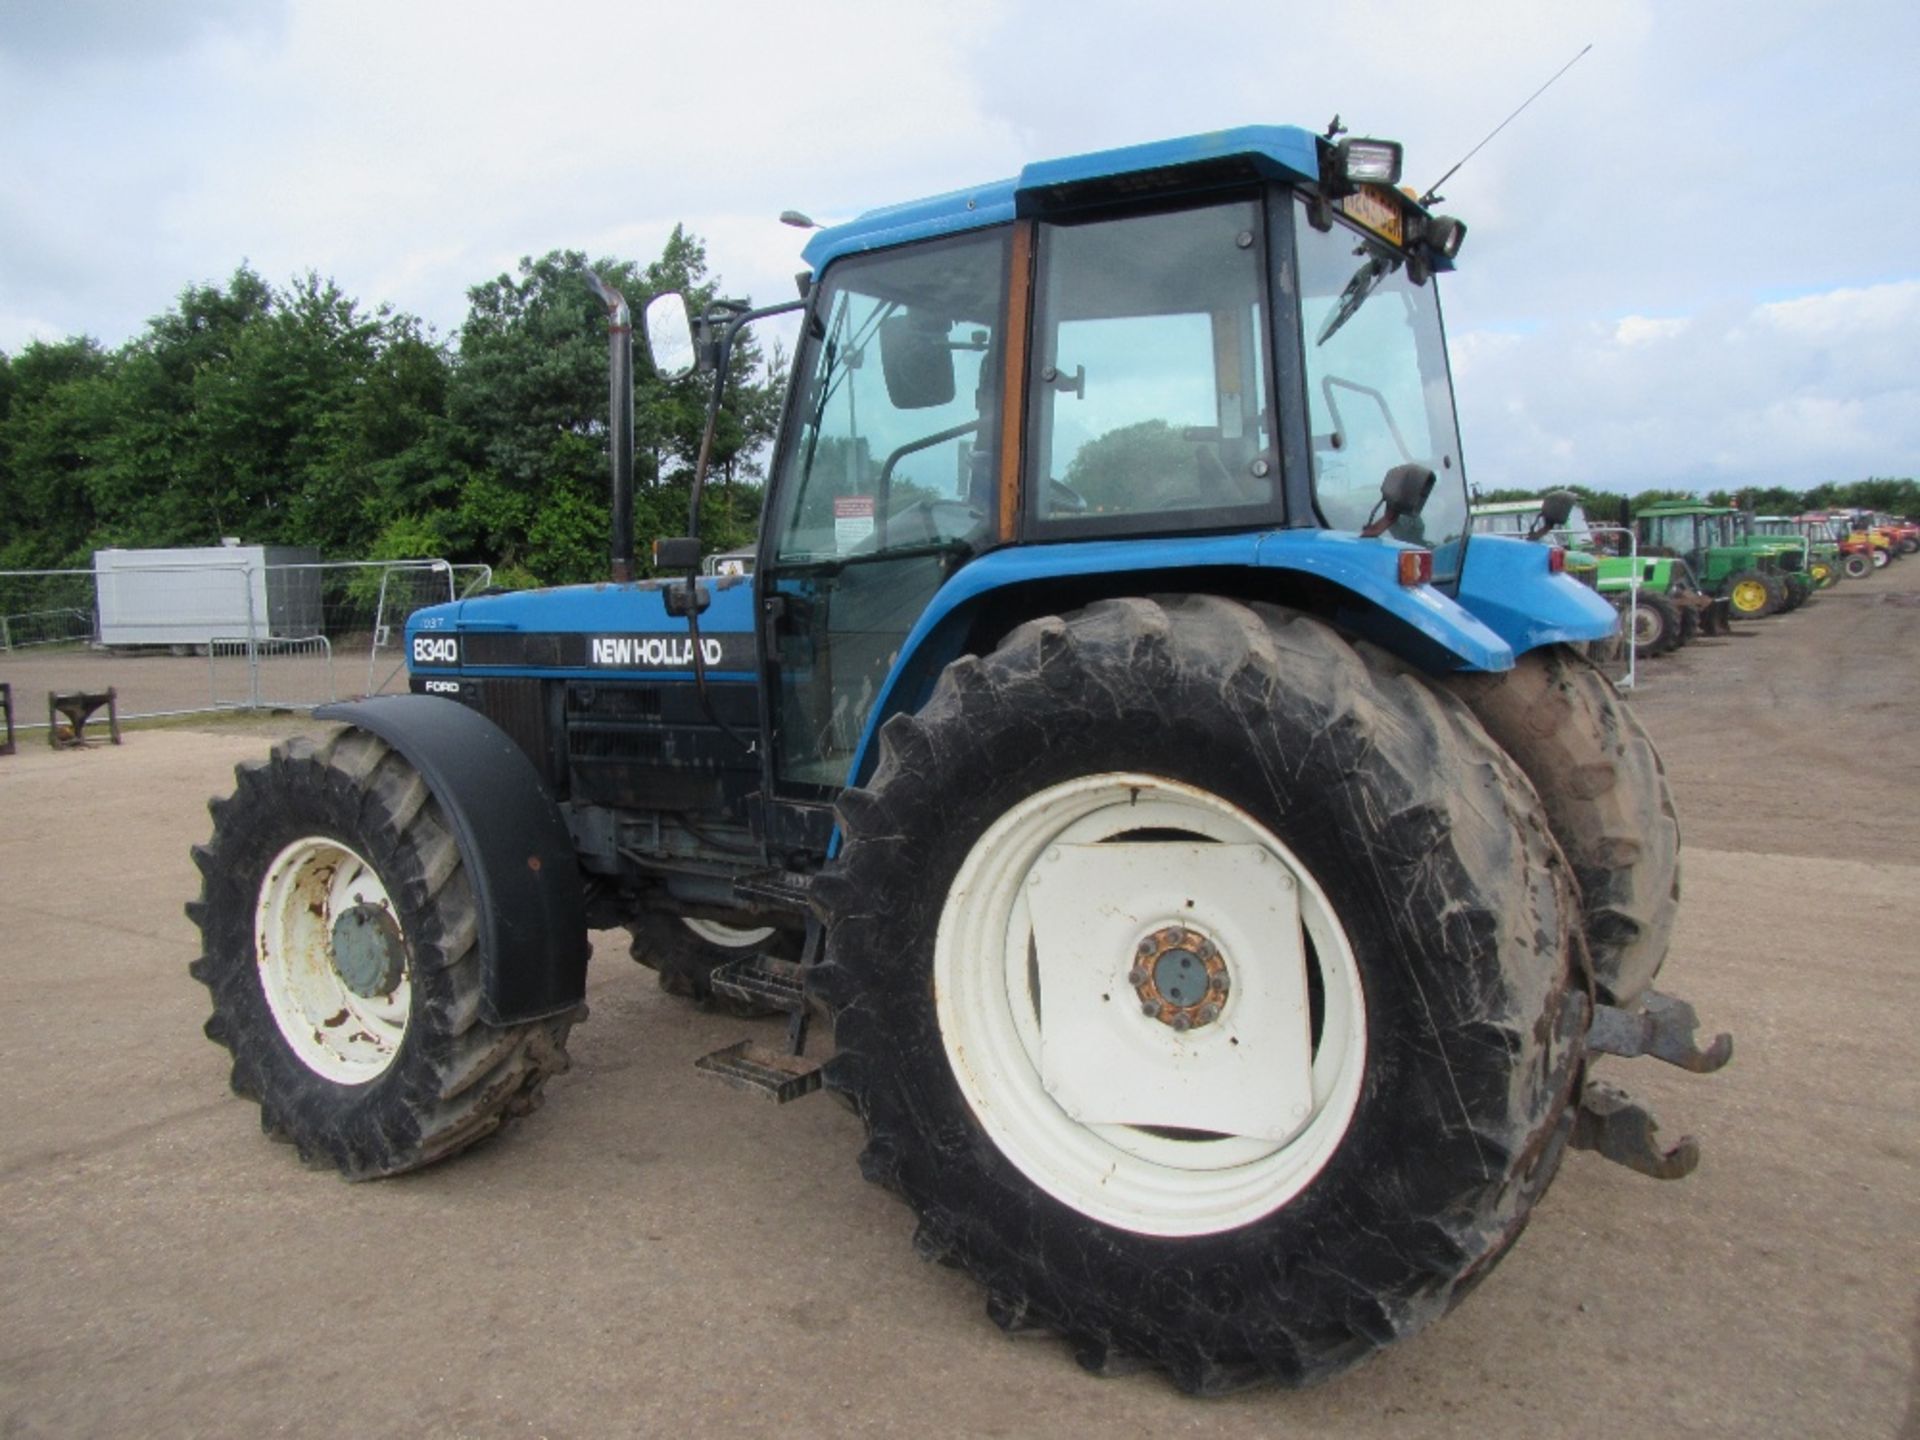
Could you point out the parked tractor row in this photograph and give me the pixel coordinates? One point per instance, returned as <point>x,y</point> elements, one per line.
<point>1217,869</point>
<point>1675,571</point>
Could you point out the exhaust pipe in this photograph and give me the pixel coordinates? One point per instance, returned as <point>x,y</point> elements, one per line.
<point>619,421</point>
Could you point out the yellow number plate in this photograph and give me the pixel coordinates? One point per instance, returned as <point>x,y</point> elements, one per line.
<point>1372,208</point>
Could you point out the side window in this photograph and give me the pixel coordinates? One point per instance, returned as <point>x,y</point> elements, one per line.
<point>1149,389</point>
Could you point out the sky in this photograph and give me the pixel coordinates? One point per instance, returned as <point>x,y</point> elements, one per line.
<point>1692,263</point>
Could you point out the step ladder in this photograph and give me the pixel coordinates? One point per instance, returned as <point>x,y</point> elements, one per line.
<point>773,1074</point>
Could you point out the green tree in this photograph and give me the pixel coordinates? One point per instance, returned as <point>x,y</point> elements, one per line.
<point>51,436</point>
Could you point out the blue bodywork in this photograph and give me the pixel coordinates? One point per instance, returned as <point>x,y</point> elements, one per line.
<point>605,611</point>
<point>1269,151</point>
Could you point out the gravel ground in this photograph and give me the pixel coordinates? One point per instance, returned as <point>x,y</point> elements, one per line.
<point>654,1254</point>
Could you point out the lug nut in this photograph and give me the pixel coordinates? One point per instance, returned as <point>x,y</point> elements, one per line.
<point>1150,1009</point>
<point>1180,1021</point>
<point>1219,984</point>
<point>1207,1014</point>
<point>1137,975</point>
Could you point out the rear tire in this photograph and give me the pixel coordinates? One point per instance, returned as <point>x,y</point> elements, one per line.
<point>342,954</point>
<point>1147,749</point>
<point>1605,791</point>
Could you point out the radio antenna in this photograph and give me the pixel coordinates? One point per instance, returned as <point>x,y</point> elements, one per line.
<point>1433,195</point>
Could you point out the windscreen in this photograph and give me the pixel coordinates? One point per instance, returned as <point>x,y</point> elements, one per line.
<point>1378,392</point>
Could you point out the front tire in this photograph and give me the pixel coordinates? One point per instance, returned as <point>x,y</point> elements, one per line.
<point>1203,981</point>
<point>341,951</point>
<point>684,952</point>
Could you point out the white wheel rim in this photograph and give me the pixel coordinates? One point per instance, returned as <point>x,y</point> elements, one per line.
<point>345,1036</point>
<point>727,937</point>
<point>988,955</point>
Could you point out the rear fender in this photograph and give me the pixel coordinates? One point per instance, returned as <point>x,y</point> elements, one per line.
<point>1506,583</point>
<point>518,855</point>
<point>1355,583</point>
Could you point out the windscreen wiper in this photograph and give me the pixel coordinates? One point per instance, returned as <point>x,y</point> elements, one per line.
<point>1364,282</point>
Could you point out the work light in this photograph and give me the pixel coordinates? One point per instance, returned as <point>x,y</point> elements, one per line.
<point>1368,162</point>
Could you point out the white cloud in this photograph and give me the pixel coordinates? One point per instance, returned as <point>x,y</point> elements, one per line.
<point>1789,393</point>
<point>1647,329</point>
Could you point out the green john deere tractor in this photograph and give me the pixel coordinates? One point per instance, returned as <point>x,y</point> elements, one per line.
<point>1822,553</point>
<point>1662,612</point>
<point>1753,578</point>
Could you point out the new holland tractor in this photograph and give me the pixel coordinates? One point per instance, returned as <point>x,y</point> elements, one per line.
<point>1208,875</point>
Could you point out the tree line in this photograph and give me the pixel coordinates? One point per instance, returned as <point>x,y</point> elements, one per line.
<point>1894,496</point>
<point>297,416</point>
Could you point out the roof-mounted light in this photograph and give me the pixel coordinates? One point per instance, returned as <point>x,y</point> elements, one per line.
<point>1368,162</point>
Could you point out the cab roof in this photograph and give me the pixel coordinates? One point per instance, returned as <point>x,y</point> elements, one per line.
<point>1248,152</point>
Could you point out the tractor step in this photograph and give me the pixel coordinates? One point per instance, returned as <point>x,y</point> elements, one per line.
<point>761,980</point>
<point>751,1067</point>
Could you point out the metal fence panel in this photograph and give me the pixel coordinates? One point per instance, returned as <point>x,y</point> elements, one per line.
<point>181,639</point>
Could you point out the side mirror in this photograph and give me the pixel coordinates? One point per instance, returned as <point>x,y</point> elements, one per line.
<point>917,362</point>
<point>1556,506</point>
<point>1405,488</point>
<point>1403,491</point>
<point>670,336</point>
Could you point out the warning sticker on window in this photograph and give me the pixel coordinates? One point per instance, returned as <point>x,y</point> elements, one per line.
<point>852,520</point>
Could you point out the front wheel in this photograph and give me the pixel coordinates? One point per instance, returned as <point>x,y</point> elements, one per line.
<point>1204,983</point>
<point>1656,624</point>
<point>342,953</point>
<point>1856,566</point>
<point>684,951</point>
<point>1751,595</point>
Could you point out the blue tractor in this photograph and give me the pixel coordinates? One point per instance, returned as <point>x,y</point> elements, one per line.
<point>1215,870</point>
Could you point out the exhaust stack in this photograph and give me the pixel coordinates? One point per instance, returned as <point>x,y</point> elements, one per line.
<point>619,420</point>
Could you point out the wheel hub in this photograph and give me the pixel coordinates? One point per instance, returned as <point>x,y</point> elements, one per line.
<point>368,953</point>
<point>1181,978</point>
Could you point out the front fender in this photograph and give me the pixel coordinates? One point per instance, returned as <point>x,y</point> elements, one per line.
<point>518,854</point>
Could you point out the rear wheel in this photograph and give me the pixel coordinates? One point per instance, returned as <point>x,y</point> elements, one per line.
<point>1152,1030</point>
<point>1605,791</point>
<point>342,954</point>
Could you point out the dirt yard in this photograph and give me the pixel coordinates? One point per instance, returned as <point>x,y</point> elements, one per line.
<point>653,1254</point>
